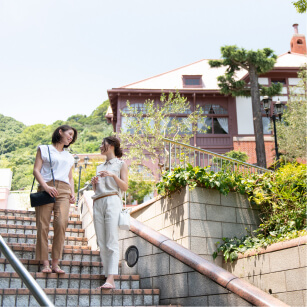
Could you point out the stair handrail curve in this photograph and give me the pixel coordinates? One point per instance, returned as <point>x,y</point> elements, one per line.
<point>250,167</point>
<point>24,274</point>
<point>241,287</point>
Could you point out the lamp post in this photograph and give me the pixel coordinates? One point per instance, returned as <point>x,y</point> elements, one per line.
<point>86,159</point>
<point>277,113</point>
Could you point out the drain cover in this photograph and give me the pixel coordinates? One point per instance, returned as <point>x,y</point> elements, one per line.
<point>132,256</point>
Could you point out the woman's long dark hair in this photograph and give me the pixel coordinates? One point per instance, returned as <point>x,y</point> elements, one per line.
<point>56,136</point>
<point>112,140</point>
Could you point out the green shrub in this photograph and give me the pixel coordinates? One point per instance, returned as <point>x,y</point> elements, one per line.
<point>280,197</point>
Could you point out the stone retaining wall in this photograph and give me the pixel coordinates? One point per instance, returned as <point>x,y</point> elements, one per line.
<point>280,270</point>
<point>199,218</point>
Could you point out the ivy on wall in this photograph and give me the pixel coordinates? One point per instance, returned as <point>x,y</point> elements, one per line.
<point>280,197</point>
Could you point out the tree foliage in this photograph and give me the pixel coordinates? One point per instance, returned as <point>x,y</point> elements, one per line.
<point>144,129</point>
<point>18,142</point>
<point>236,59</point>
<point>255,63</point>
<point>291,131</point>
<point>300,5</point>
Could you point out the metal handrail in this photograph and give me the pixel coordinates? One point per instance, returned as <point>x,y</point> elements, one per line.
<point>204,152</point>
<point>27,278</point>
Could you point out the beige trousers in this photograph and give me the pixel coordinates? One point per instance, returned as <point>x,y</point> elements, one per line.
<point>43,218</point>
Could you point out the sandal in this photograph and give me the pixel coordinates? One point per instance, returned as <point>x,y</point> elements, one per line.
<point>57,270</point>
<point>46,269</point>
<point>107,285</point>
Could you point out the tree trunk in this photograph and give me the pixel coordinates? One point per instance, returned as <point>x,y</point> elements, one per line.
<point>257,117</point>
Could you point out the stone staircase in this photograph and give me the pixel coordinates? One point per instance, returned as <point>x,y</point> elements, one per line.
<point>78,287</point>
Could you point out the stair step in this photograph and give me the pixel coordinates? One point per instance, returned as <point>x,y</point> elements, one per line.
<point>74,267</point>
<point>69,281</point>
<point>83,297</point>
<point>21,213</point>
<point>74,253</point>
<point>19,220</point>
<point>23,229</point>
<point>31,239</point>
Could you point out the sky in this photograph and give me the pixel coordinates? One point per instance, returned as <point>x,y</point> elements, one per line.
<point>59,57</point>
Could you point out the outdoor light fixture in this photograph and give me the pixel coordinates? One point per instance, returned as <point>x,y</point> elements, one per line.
<point>76,160</point>
<point>266,104</point>
<point>132,256</point>
<point>277,113</point>
<point>279,108</point>
<point>86,159</point>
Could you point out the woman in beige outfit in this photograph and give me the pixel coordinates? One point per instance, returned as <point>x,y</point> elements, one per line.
<point>63,191</point>
<point>110,180</point>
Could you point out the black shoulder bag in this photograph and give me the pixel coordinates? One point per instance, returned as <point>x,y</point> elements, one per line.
<point>42,198</point>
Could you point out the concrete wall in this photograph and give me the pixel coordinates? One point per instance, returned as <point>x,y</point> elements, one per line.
<point>281,273</point>
<point>178,283</point>
<point>199,218</point>
<point>85,209</point>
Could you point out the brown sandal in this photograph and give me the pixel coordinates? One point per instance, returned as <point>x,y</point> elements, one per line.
<point>46,269</point>
<point>57,270</point>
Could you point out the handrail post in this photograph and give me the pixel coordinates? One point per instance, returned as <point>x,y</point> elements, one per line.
<point>27,278</point>
<point>169,157</point>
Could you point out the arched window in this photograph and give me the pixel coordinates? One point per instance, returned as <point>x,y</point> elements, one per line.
<point>299,42</point>
<point>216,121</point>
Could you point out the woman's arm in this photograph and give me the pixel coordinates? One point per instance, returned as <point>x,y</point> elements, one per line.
<point>72,199</point>
<point>36,172</point>
<point>122,182</point>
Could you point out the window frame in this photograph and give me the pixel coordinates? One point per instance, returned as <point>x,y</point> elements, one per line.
<point>212,116</point>
<point>187,77</point>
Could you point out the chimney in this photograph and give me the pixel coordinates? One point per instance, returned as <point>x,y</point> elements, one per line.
<point>298,41</point>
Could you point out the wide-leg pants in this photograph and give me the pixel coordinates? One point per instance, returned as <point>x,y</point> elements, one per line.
<point>106,215</point>
<point>43,218</point>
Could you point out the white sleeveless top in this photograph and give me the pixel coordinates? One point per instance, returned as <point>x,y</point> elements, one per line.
<point>107,185</point>
<point>62,161</point>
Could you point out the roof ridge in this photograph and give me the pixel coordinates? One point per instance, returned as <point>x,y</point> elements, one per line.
<point>164,73</point>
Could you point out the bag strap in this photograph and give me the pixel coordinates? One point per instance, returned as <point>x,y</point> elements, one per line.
<point>50,168</point>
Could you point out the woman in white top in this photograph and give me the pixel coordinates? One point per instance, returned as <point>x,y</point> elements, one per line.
<point>110,180</point>
<point>62,190</point>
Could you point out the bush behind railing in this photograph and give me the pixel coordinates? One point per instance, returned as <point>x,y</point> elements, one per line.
<point>280,197</point>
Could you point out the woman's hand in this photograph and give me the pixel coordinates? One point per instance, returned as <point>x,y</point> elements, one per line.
<point>94,180</point>
<point>72,199</point>
<point>106,174</point>
<point>52,191</point>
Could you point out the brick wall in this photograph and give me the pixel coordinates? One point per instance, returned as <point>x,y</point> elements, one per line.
<point>250,148</point>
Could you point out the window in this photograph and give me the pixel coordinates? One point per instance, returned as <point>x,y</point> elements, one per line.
<point>138,108</point>
<point>192,81</point>
<point>172,122</point>
<point>216,121</point>
<point>282,81</point>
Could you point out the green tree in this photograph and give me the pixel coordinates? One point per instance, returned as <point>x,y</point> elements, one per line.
<point>291,131</point>
<point>138,189</point>
<point>144,128</point>
<point>255,63</point>
<point>300,5</point>
<point>18,142</point>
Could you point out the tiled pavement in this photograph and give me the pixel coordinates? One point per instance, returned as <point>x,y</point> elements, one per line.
<point>78,287</point>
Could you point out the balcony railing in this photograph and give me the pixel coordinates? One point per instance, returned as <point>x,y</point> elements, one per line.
<point>180,155</point>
